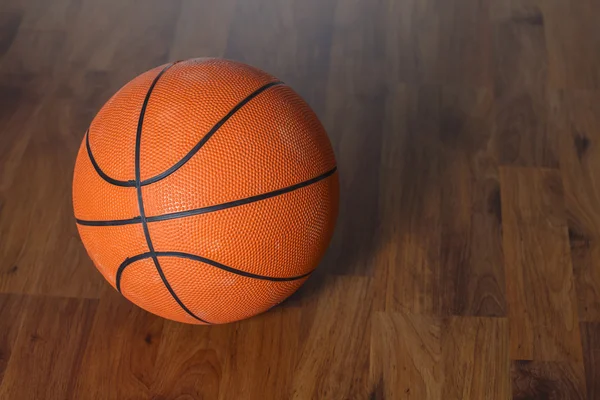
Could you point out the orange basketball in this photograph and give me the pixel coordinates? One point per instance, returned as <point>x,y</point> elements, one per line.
<point>205,191</point>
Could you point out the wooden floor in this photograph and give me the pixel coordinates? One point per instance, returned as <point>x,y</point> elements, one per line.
<point>466,261</point>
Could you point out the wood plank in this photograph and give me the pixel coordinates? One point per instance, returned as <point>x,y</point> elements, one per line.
<point>410,197</point>
<point>134,354</point>
<point>476,358</point>
<point>541,299</point>
<point>422,357</point>
<point>590,339</point>
<point>42,15</point>
<point>11,307</point>
<point>573,38</point>
<point>269,343</point>
<point>355,104</point>
<point>192,361</point>
<point>547,380</point>
<point>464,53</point>
<point>290,39</point>
<point>202,29</point>
<point>437,42</point>
<point>42,235</point>
<point>520,75</point>
<point>121,352</point>
<point>406,357</point>
<point>49,349</point>
<point>472,262</point>
<point>576,120</point>
<point>34,52</point>
<point>412,29</point>
<point>10,22</point>
<point>334,344</point>
<point>140,36</point>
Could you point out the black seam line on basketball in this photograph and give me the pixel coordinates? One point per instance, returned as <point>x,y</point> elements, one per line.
<point>117,222</point>
<point>138,187</point>
<point>210,134</point>
<point>99,170</point>
<point>205,261</point>
<point>190,154</point>
<point>241,202</point>
<point>209,209</point>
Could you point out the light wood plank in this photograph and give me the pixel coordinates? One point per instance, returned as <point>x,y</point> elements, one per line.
<point>406,357</point>
<point>334,345</point>
<point>476,359</point>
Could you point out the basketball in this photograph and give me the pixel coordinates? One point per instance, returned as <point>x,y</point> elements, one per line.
<point>205,191</point>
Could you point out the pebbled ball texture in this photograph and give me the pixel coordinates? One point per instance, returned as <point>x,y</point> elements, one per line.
<point>205,191</point>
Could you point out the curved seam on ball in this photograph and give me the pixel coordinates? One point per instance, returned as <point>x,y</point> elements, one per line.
<point>189,155</point>
<point>209,209</point>
<point>210,134</point>
<point>99,171</point>
<point>204,260</point>
<point>138,188</point>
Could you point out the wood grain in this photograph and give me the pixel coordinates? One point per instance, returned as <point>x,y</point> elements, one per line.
<point>472,264</point>
<point>547,380</point>
<point>334,352</point>
<point>465,263</point>
<point>576,120</point>
<point>406,357</point>
<point>520,75</point>
<point>475,353</point>
<point>49,348</point>
<point>573,37</point>
<point>255,344</point>
<point>422,357</point>
<point>121,353</point>
<point>10,310</point>
<point>543,318</point>
<point>590,339</point>
<point>410,193</point>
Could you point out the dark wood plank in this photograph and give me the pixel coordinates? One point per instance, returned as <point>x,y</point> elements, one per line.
<point>11,307</point>
<point>472,262</point>
<point>202,29</point>
<point>39,14</point>
<point>541,299</point>
<point>410,196</point>
<point>49,349</point>
<point>140,37</point>
<point>547,380</point>
<point>520,74</point>
<point>590,339</point>
<point>438,42</point>
<point>355,105</point>
<point>121,352</point>
<point>576,120</point>
<point>10,22</point>
<point>290,39</point>
<point>42,253</point>
<point>573,37</point>
<point>192,361</point>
